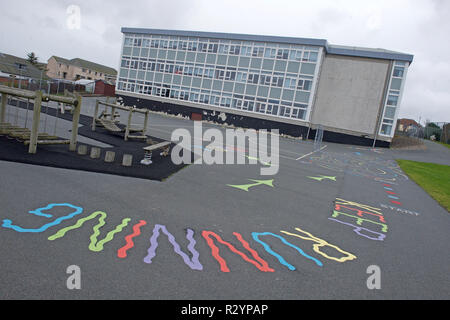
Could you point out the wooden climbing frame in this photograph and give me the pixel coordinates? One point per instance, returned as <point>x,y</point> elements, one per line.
<point>33,137</point>
<point>111,124</point>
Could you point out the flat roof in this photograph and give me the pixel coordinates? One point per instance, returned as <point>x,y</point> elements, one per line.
<point>329,48</point>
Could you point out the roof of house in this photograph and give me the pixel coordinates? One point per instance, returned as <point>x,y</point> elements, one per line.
<point>408,122</point>
<point>10,64</point>
<point>332,49</point>
<point>86,64</point>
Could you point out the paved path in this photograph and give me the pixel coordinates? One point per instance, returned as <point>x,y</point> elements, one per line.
<point>327,195</point>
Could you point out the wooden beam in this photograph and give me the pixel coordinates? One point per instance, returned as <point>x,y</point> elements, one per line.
<point>18,92</point>
<point>145,122</point>
<point>95,116</point>
<point>122,107</point>
<point>3,107</point>
<point>127,130</point>
<point>36,119</point>
<point>75,122</point>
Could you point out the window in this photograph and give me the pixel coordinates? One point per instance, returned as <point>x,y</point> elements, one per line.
<point>198,71</point>
<point>265,79</point>
<point>277,81</point>
<point>142,65</point>
<point>203,47</point>
<point>204,98</point>
<point>223,48</point>
<point>125,63</point>
<point>173,44</point>
<point>164,44</point>
<point>283,53</point>
<point>386,129</point>
<point>209,73</point>
<point>189,70</point>
<point>128,42</point>
<point>310,56</point>
<point>270,53</point>
<point>389,113</point>
<point>241,77</point>
<point>220,74</point>
<point>230,75</point>
<point>392,100</point>
<point>290,83</point>
<point>248,105</point>
<point>212,47</point>
<point>253,78</point>
<point>246,51</point>
<point>192,46</point>
<point>304,85</point>
<point>137,42</point>
<point>295,55</point>
<point>154,43</point>
<point>258,52</point>
<point>260,107</point>
<point>398,72</point>
<point>235,49</point>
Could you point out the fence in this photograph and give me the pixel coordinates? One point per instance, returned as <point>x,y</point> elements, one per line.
<point>46,86</point>
<point>437,131</point>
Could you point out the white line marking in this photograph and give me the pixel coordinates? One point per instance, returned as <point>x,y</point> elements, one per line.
<point>308,154</point>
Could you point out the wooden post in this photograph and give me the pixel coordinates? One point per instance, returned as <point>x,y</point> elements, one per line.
<point>75,121</point>
<point>36,119</point>
<point>127,130</point>
<point>113,112</point>
<point>95,116</point>
<point>3,107</point>
<point>145,122</point>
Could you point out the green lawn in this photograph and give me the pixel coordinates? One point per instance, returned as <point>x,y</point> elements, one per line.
<point>433,178</point>
<point>444,144</point>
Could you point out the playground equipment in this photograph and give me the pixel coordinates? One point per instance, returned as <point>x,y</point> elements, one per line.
<point>109,121</point>
<point>33,137</point>
<point>165,146</point>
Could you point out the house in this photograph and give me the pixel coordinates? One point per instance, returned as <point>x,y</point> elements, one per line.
<point>76,69</point>
<point>405,125</point>
<point>20,69</point>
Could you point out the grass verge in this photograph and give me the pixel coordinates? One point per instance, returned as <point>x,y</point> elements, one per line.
<point>433,178</point>
<point>444,144</point>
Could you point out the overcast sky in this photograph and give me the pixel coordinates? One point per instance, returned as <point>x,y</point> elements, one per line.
<point>418,27</point>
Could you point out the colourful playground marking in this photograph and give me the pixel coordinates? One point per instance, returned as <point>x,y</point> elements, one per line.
<point>191,259</point>
<point>246,187</point>
<point>345,209</point>
<point>320,178</point>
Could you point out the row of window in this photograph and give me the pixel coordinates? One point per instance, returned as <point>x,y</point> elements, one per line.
<point>240,102</point>
<point>392,101</point>
<point>220,73</point>
<point>309,54</point>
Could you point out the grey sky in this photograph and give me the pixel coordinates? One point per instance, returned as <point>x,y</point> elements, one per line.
<point>419,27</point>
